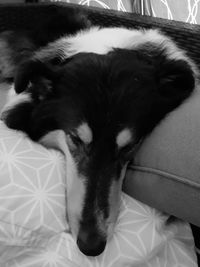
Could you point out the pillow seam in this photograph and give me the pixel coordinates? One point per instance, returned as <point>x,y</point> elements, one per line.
<point>164,174</point>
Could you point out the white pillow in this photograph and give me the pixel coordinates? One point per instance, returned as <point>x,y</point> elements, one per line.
<point>33,227</point>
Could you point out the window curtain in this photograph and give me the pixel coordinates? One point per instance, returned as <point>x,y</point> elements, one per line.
<point>182,10</point>
<point>121,5</point>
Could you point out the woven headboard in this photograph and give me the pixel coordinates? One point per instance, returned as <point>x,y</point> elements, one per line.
<point>29,16</point>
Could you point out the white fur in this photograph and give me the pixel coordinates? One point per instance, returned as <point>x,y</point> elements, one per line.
<point>123,138</point>
<point>102,40</point>
<point>75,195</point>
<point>14,99</point>
<point>115,201</point>
<point>85,133</point>
<point>75,183</point>
<point>94,40</point>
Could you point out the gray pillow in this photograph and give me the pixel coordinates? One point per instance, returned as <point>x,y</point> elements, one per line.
<point>166,171</point>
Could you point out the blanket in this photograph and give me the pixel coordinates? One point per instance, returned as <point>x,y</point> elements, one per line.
<point>34,230</point>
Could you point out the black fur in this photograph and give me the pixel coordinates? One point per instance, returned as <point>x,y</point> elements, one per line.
<point>123,89</point>
<point>60,23</point>
<point>20,45</point>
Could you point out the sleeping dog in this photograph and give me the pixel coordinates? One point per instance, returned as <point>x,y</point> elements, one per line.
<point>111,88</point>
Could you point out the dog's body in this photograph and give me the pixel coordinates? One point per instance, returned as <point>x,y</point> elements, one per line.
<point>112,88</point>
<point>19,45</point>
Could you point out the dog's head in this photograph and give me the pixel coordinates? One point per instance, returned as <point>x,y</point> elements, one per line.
<point>102,106</point>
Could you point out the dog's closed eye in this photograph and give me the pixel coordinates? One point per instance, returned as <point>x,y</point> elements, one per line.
<point>73,141</point>
<point>70,143</point>
<point>82,135</point>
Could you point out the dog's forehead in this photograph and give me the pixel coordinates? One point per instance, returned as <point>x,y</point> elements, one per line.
<point>105,94</point>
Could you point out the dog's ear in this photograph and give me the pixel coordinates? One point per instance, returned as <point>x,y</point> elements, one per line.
<point>176,79</point>
<point>36,76</point>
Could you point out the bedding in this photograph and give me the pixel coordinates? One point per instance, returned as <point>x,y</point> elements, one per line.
<point>33,226</point>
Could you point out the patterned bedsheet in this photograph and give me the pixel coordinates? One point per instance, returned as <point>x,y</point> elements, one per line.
<point>33,227</point>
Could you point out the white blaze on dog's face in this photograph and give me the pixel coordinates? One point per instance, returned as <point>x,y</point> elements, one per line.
<point>76,189</point>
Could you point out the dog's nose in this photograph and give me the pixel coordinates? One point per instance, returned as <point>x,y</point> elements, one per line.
<point>91,244</point>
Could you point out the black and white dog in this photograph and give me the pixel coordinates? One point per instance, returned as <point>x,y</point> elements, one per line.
<point>111,88</point>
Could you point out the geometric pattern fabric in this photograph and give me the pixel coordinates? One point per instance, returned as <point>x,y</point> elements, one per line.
<point>33,227</point>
